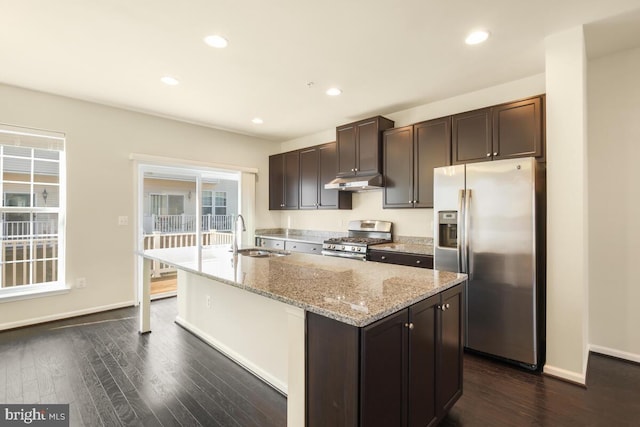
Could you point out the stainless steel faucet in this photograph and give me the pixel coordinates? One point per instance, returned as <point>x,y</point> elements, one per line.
<point>234,245</point>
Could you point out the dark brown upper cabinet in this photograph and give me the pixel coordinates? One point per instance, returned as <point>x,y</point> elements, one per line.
<point>359,146</point>
<point>500,132</point>
<point>318,166</point>
<point>410,155</point>
<point>471,136</point>
<point>398,153</point>
<point>517,129</point>
<point>284,176</point>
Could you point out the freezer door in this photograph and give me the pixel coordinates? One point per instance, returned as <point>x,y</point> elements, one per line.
<point>448,185</point>
<point>501,291</point>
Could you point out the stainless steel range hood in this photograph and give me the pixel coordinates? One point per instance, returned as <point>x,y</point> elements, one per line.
<point>356,183</point>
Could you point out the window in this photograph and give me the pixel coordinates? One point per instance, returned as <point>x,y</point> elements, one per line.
<point>32,211</point>
<point>166,204</point>
<point>207,202</point>
<point>221,203</point>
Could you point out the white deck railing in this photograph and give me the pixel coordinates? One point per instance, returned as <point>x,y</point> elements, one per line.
<point>21,230</point>
<point>181,240</point>
<point>29,261</point>
<point>186,223</point>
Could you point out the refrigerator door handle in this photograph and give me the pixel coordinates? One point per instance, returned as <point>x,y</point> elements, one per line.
<point>461,214</point>
<point>467,216</point>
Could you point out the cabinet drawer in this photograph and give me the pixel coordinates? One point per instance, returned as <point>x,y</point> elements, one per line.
<point>413,260</point>
<point>270,243</point>
<point>308,248</point>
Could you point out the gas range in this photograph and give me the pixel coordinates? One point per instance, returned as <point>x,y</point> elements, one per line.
<point>362,234</point>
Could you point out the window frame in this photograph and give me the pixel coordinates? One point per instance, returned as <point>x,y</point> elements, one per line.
<point>45,141</point>
<point>215,204</point>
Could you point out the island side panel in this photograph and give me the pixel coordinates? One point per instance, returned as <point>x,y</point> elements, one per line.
<point>248,328</point>
<point>332,366</point>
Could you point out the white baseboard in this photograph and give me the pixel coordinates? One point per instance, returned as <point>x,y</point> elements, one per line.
<point>563,374</point>
<point>60,316</point>
<point>247,364</point>
<point>615,353</point>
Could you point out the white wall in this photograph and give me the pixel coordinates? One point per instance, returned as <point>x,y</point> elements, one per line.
<point>614,204</point>
<point>368,205</point>
<point>567,239</point>
<point>100,188</point>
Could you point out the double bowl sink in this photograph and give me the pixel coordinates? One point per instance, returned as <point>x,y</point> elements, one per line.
<point>262,253</point>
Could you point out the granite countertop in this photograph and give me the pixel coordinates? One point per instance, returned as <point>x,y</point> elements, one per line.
<point>350,291</point>
<point>408,248</point>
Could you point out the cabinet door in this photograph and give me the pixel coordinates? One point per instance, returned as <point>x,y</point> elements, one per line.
<point>276,182</point>
<point>450,364</point>
<point>346,140</point>
<point>517,129</point>
<point>291,179</point>
<point>397,149</point>
<point>330,199</point>
<point>432,144</point>
<point>309,178</point>
<point>471,136</point>
<point>423,339</point>
<point>368,148</point>
<point>383,378</point>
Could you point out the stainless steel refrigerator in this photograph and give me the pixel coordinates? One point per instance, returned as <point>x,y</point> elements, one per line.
<point>489,223</point>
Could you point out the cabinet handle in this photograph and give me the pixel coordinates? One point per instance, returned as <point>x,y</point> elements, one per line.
<point>408,325</point>
<point>488,154</point>
<point>353,170</point>
<point>356,169</point>
<point>313,249</point>
<point>383,257</point>
<point>495,154</point>
<point>418,261</point>
<point>444,307</point>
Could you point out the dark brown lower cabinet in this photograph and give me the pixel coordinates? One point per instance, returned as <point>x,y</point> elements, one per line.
<point>403,370</point>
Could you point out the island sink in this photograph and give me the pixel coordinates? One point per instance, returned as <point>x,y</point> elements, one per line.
<point>262,253</point>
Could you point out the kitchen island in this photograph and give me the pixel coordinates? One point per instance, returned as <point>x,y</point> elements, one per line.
<point>279,315</point>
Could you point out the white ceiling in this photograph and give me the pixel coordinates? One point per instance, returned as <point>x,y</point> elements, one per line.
<point>385,55</point>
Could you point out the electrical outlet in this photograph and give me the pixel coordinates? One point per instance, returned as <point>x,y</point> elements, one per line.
<point>123,220</point>
<point>81,282</point>
<point>208,301</point>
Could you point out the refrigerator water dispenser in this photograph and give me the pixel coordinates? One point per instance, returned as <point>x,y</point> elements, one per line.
<point>448,229</point>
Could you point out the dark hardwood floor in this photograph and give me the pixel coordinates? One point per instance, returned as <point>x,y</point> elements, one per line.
<point>113,376</point>
<point>496,394</point>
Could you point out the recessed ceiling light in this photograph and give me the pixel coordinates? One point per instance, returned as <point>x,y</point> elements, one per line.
<point>477,37</point>
<point>334,91</point>
<point>257,121</point>
<point>168,80</point>
<point>216,41</point>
